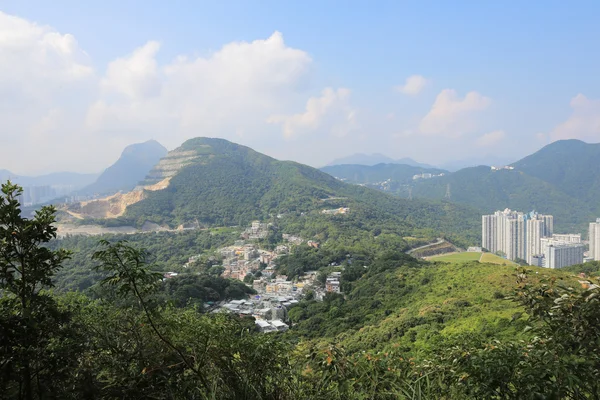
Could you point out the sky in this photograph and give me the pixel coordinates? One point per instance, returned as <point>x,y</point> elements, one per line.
<point>309,81</point>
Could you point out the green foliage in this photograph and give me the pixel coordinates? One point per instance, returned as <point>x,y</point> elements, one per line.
<point>34,331</point>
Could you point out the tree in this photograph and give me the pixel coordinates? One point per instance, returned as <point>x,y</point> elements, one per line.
<point>32,325</point>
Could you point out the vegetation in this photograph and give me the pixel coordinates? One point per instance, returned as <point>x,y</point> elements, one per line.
<point>232,185</point>
<point>489,191</point>
<point>560,179</point>
<point>457,257</point>
<point>404,329</point>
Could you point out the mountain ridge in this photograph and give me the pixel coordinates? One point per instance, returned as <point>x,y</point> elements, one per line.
<point>133,165</point>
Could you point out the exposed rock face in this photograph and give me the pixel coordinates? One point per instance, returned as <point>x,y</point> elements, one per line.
<point>109,207</point>
<point>157,179</point>
<point>168,166</point>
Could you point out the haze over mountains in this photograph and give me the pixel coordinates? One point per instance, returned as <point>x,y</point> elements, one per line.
<point>374,159</point>
<point>133,165</point>
<point>74,179</point>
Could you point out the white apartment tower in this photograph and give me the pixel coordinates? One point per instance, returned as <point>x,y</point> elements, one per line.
<point>516,234</point>
<point>595,240</point>
<point>535,232</point>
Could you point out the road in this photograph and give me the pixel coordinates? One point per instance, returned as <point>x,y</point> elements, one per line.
<point>439,241</point>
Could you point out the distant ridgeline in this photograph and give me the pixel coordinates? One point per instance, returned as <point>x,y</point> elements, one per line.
<point>561,179</point>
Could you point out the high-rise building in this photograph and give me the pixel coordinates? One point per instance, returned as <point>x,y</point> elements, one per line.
<point>515,234</point>
<point>488,233</point>
<point>594,237</point>
<point>536,229</point>
<point>560,254</point>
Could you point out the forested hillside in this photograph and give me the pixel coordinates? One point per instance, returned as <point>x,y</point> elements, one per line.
<point>560,179</point>
<point>224,184</point>
<point>570,165</point>
<point>490,190</point>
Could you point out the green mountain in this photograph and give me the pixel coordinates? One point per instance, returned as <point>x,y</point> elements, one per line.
<point>396,174</point>
<point>561,179</point>
<point>212,182</point>
<point>133,165</point>
<point>572,166</point>
<point>490,190</point>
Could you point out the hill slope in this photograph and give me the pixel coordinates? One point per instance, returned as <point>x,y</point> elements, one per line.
<point>133,165</point>
<point>572,166</point>
<point>490,190</point>
<point>213,182</point>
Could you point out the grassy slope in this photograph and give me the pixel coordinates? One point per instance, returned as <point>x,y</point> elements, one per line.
<point>414,308</point>
<point>457,257</point>
<point>472,256</point>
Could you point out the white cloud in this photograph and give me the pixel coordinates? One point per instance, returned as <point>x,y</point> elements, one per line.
<point>583,123</point>
<point>490,139</point>
<point>331,111</point>
<point>136,76</point>
<point>61,114</point>
<point>233,90</point>
<point>452,116</point>
<point>46,79</point>
<point>414,85</point>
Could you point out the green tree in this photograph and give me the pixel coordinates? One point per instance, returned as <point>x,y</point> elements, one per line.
<point>32,327</point>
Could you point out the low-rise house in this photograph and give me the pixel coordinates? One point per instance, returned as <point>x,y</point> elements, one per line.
<point>279,325</point>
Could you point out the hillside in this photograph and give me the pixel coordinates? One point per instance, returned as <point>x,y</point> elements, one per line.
<point>399,302</point>
<point>398,174</point>
<point>571,165</point>
<point>490,190</point>
<point>213,182</point>
<point>132,167</point>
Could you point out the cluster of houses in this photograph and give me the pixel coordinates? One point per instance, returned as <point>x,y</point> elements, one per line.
<point>282,286</point>
<point>269,311</point>
<point>258,230</point>
<point>242,259</point>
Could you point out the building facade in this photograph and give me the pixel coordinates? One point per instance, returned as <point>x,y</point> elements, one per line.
<point>517,235</point>
<point>563,255</point>
<point>594,236</point>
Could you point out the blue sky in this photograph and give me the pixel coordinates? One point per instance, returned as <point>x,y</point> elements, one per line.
<point>492,78</point>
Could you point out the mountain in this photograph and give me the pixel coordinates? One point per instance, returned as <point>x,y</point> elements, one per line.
<point>562,179</point>
<point>374,159</point>
<point>490,190</point>
<point>133,165</point>
<point>571,165</point>
<point>364,174</point>
<point>213,182</point>
<point>74,179</point>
